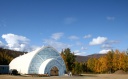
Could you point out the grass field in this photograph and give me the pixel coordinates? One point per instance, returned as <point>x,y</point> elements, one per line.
<point>86,76</point>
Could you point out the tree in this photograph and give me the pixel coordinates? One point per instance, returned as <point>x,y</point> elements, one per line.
<point>127,52</point>
<point>123,61</point>
<point>103,64</point>
<point>7,55</point>
<point>109,57</point>
<point>76,69</point>
<point>79,68</point>
<point>69,59</point>
<point>115,61</point>
<point>91,64</point>
<point>4,58</point>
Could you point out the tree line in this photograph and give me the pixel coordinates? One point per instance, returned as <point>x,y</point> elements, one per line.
<point>109,63</point>
<point>7,55</point>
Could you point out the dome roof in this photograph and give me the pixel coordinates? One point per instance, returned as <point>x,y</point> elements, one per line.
<point>38,61</point>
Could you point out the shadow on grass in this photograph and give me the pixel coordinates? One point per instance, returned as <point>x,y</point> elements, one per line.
<point>89,75</point>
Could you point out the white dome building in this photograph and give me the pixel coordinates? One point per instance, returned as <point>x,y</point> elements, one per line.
<point>41,61</point>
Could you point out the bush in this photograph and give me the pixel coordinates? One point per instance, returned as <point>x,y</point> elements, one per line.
<point>14,72</point>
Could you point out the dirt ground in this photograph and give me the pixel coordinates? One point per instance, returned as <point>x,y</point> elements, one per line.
<point>86,76</point>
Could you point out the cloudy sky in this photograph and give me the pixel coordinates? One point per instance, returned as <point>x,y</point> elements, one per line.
<point>84,26</point>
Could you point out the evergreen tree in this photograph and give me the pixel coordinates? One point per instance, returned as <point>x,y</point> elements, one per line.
<point>69,59</point>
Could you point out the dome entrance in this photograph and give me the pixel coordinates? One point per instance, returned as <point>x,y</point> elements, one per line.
<point>54,71</point>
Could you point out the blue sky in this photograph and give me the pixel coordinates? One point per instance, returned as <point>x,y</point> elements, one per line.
<point>84,26</point>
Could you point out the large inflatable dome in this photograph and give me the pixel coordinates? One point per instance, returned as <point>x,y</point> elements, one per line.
<point>41,61</point>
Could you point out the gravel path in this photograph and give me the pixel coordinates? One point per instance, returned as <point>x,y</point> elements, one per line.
<point>86,76</point>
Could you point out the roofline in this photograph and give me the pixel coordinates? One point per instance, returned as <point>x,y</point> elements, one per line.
<point>4,65</point>
<point>43,47</point>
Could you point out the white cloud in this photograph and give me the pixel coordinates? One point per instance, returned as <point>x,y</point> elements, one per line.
<point>16,42</point>
<point>98,40</point>
<point>106,46</point>
<point>2,45</point>
<point>79,43</point>
<point>78,52</point>
<point>104,51</point>
<point>56,44</point>
<point>113,42</point>
<point>70,20</point>
<point>111,18</point>
<point>73,37</point>
<point>84,48</point>
<point>57,36</point>
<point>87,36</point>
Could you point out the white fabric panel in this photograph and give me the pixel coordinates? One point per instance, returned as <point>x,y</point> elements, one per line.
<point>43,66</point>
<point>21,63</point>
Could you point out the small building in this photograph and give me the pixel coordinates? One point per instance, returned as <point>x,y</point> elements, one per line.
<point>45,60</point>
<point>4,69</point>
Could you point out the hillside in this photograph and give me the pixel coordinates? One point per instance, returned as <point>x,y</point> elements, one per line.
<point>7,55</point>
<point>85,58</point>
